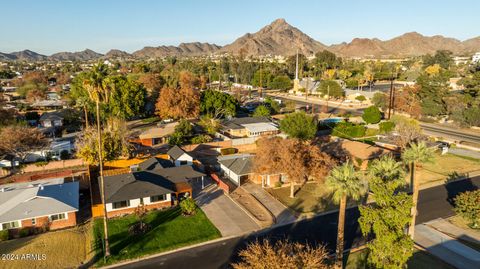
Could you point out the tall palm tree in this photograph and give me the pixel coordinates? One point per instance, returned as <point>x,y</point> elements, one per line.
<point>345,183</point>
<point>413,155</point>
<point>387,169</point>
<point>95,86</point>
<point>82,103</point>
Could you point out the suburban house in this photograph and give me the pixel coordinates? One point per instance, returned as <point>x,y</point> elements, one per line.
<point>249,127</point>
<point>48,204</point>
<point>51,119</point>
<point>156,135</point>
<point>53,151</point>
<point>49,104</point>
<point>359,153</point>
<point>154,183</point>
<point>239,168</point>
<point>179,157</point>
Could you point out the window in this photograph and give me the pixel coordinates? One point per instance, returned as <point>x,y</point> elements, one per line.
<point>10,225</point>
<point>121,204</point>
<point>34,221</point>
<point>158,198</point>
<point>58,217</point>
<point>183,162</point>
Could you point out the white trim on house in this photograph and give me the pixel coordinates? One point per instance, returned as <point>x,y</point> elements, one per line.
<point>184,159</point>
<point>133,203</point>
<point>38,217</point>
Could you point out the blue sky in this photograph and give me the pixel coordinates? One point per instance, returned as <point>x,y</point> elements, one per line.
<point>49,26</point>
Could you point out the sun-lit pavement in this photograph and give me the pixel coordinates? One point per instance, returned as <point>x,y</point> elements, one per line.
<point>446,248</point>
<point>227,216</point>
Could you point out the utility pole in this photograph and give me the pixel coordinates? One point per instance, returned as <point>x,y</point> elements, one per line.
<point>390,98</point>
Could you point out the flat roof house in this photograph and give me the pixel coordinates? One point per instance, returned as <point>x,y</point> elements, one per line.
<point>156,184</point>
<point>52,206</point>
<point>157,135</point>
<point>249,127</point>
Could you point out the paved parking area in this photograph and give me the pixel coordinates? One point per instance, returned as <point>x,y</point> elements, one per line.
<point>226,215</point>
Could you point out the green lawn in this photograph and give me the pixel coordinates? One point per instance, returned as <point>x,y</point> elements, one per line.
<point>169,230</point>
<point>446,166</point>
<point>419,260</point>
<point>313,197</point>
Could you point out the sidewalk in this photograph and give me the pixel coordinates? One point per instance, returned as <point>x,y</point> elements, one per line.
<point>446,248</point>
<point>282,213</point>
<point>448,228</point>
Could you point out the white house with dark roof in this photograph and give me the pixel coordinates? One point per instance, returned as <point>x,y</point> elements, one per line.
<point>237,168</point>
<point>51,205</point>
<point>155,183</point>
<point>249,127</point>
<point>179,157</point>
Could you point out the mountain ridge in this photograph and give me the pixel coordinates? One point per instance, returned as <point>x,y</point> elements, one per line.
<point>276,38</point>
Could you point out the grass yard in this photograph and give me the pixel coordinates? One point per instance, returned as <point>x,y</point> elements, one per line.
<point>444,166</point>
<point>462,223</point>
<point>169,230</point>
<point>419,260</point>
<point>313,197</point>
<point>62,249</point>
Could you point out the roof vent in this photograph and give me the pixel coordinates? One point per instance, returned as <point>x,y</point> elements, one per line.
<point>41,187</point>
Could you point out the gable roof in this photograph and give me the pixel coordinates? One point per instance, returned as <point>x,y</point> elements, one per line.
<point>175,152</point>
<point>146,183</point>
<point>158,132</point>
<point>154,163</point>
<point>55,115</point>
<point>31,202</point>
<point>240,165</point>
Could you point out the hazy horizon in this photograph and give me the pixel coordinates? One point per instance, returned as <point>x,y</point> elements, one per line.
<point>54,26</point>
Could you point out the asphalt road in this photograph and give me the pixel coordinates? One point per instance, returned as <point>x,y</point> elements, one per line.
<point>450,133</point>
<point>433,203</point>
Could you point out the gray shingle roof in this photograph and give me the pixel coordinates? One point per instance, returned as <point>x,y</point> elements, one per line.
<point>155,163</point>
<point>32,202</point>
<point>146,183</point>
<point>175,152</point>
<point>236,123</point>
<point>240,165</point>
<point>55,115</point>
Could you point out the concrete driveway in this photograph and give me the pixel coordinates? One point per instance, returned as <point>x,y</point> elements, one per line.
<point>225,214</point>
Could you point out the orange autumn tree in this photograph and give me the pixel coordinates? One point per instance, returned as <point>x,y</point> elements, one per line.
<point>298,160</point>
<point>183,102</point>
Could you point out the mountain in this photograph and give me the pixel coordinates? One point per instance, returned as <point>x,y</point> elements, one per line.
<point>114,53</point>
<point>28,55</point>
<point>184,49</point>
<point>277,38</point>
<point>408,44</point>
<point>85,55</point>
<point>6,57</point>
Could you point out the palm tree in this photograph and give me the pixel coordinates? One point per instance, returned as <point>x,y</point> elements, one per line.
<point>413,155</point>
<point>95,86</point>
<point>82,103</point>
<point>387,169</point>
<point>345,183</point>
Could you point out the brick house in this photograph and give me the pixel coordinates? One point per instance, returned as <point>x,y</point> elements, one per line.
<point>154,183</point>
<point>156,135</point>
<point>42,205</point>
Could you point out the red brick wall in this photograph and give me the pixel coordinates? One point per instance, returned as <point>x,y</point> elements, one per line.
<point>58,224</point>
<point>131,210</point>
<point>222,185</point>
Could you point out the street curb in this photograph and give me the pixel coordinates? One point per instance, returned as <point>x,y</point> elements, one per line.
<point>170,251</point>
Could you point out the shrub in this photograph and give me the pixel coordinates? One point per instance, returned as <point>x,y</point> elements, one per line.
<point>386,126</point>
<point>64,155</point>
<point>372,115</point>
<point>188,206</point>
<point>361,98</point>
<point>261,111</point>
<point>4,235</point>
<point>278,184</point>
<point>348,130</point>
<point>228,151</point>
<point>24,232</point>
<point>201,139</point>
<point>467,205</point>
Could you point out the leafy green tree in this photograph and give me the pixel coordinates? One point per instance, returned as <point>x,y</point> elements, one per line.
<point>417,153</point>
<point>127,97</point>
<point>262,78</point>
<point>218,104</point>
<point>261,111</point>
<point>299,125</point>
<point>327,60</point>
<point>331,87</point>
<point>348,130</point>
<point>388,216</point>
<point>199,139</point>
<point>441,57</point>
<point>176,139</point>
<point>184,128</point>
<point>281,83</point>
<point>372,115</point>
<point>386,127</point>
<point>433,89</point>
<point>344,182</point>
<point>467,205</point>
<point>380,100</point>
<point>209,124</point>
<point>273,105</point>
